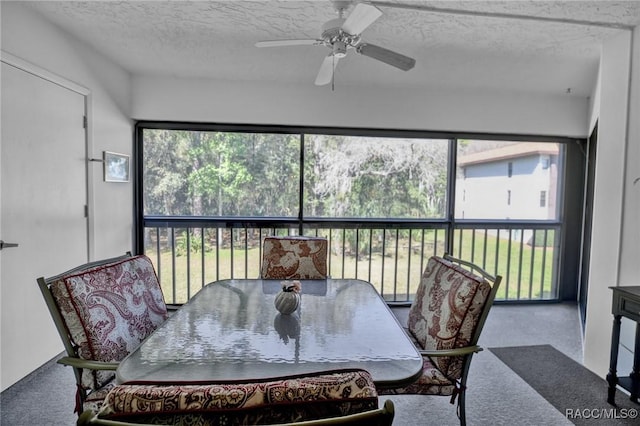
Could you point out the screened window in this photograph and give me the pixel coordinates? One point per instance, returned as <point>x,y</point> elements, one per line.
<point>198,173</point>
<point>207,195</point>
<point>194,173</point>
<point>484,163</point>
<point>252,174</point>
<point>370,177</point>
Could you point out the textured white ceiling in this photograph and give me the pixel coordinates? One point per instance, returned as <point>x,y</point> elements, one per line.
<point>487,47</point>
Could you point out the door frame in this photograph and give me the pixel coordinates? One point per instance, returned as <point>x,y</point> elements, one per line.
<point>28,67</point>
<point>587,218</point>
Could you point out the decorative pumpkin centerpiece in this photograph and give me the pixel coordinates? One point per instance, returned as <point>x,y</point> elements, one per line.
<point>288,300</point>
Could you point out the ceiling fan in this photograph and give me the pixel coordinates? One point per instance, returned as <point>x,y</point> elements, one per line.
<point>341,34</point>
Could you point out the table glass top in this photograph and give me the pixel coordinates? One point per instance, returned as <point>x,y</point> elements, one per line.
<point>231,330</point>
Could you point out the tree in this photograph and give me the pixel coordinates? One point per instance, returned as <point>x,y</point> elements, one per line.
<point>379,177</point>
<point>258,174</point>
<point>219,172</point>
<point>164,172</point>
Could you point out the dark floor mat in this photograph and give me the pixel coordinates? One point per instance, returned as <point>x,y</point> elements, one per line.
<point>574,390</point>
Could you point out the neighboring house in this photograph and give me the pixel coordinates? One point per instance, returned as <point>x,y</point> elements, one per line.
<point>516,181</point>
<point>511,182</point>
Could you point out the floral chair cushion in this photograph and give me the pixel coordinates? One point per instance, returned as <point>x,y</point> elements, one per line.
<point>446,311</point>
<point>284,400</point>
<point>294,258</point>
<point>431,382</point>
<point>109,310</point>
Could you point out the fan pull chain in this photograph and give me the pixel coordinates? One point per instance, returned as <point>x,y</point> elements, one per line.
<point>333,73</point>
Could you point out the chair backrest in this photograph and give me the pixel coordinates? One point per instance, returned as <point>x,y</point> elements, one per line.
<point>284,400</point>
<point>450,308</point>
<point>104,309</point>
<point>294,257</point>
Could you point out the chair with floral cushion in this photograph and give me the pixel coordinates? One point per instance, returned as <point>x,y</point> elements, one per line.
<point>337,397</point>
<point>445,320</point>
<point>294,257</point>
<point>102,311</point>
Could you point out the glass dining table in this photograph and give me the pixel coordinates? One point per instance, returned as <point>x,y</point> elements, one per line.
<point>230,331</point>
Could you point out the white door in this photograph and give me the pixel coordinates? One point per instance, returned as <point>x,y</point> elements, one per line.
<point>42,210</point>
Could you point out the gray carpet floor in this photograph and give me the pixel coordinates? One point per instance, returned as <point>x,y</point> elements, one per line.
<point>567,385</point>
<point>496,395</point>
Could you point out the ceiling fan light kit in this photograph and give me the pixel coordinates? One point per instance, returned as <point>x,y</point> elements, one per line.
<point>339,49</point>
<point>341,34</point>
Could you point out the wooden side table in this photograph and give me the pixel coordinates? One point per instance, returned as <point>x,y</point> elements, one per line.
<point>626,303</point>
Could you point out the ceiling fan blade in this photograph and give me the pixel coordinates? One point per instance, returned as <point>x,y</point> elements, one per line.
<point>325,75</point>
<point>387,56</point>
<point>360,18</point>
<point>279,43</point>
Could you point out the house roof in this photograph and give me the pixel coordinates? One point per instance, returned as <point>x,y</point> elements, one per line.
<point>515,150</point>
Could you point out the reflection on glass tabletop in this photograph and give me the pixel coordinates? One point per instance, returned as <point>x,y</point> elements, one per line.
<point>231,331</point>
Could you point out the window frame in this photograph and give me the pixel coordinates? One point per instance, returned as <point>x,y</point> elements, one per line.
<point>569,182</point>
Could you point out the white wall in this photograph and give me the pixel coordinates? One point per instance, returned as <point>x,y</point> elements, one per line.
<point>157,98</point>
<point>615,245</point>
<point>630,232</point>
<point>27,36</point>
<point>630,235</point>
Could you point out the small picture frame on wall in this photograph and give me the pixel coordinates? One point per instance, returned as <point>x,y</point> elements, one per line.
<point>116,167</point>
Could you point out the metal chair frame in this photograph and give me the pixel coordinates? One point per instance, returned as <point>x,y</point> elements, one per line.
<point>472,348</point>
<point>382,416</point>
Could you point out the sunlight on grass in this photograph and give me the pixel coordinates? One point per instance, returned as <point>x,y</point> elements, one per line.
<point>527,271</point>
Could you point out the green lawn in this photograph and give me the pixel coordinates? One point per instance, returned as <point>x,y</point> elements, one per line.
<point>401,274</point>
<point>533,280</point>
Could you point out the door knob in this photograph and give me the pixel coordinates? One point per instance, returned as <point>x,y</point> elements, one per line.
<point>4,245</point>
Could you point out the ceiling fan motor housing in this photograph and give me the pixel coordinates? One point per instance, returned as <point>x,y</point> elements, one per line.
<point>338,40</point>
